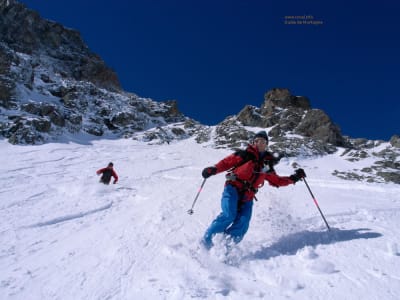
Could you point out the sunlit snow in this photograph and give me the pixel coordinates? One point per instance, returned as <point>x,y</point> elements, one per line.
<point>63,235</point>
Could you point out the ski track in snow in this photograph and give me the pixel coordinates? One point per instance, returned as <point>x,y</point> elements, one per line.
<point>69,217</point>
<point>63,235</point>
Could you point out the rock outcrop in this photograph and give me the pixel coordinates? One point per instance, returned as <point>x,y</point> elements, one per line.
<point>52,85</point>
<point>61,49</point>
<point>284,114</point>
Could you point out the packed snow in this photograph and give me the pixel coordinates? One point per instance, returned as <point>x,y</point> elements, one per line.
<point>64,235</point>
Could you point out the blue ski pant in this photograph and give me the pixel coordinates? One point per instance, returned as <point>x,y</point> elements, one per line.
<point>234,220</point>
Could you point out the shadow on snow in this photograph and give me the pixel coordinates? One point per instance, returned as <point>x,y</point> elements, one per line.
<point>290,244</point>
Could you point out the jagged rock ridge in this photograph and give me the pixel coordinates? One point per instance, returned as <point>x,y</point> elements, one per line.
<point>46,40</point>
<point>51,85</point>
<point>290,120</point>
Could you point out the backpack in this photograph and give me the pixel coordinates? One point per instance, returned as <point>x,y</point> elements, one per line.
<point>269,159</point>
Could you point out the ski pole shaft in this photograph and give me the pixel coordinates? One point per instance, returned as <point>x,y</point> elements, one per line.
<point>316,204</point>
<point>190,211</point>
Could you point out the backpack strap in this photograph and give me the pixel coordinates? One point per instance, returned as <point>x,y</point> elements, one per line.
<point>245,155</point>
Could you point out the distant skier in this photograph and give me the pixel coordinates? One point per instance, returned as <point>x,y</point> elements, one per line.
<point>108,172</point>
<point>247,171</point>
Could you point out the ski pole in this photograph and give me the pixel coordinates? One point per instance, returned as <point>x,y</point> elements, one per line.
<point>190,211</point>
<point>316,203</point>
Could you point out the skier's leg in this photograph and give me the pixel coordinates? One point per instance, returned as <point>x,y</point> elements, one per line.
<point>225,218</point>
<point>241,223</point>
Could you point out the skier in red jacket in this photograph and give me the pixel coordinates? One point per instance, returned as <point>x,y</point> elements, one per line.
<point>247,171</point>
<point>108,172</point>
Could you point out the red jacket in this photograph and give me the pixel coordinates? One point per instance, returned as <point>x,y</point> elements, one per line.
<point>113,173</point>
<point>246,172</point>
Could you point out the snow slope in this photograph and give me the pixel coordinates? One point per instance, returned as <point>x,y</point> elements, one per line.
<point>63,235</point>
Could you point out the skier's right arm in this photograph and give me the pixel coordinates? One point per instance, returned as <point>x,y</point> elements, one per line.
<point>229,162</point>
<point>223,165</point>
<point>98,172</point>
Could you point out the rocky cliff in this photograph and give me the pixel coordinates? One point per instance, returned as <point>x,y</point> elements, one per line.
<point>296,129</point>
<point>292,124</point>
<point>52,85</point>
<point>50,45</point>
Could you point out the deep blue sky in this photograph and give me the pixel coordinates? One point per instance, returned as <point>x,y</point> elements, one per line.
<point>216,56</point>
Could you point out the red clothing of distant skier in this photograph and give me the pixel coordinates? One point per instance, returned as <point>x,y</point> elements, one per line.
<point>248,175</point>
<point>107,174</point>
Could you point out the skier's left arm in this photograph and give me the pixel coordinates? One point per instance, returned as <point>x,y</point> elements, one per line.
<point>277,181</point>
<point>114,174</point>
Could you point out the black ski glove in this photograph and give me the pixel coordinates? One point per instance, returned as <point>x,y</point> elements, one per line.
<point>209,171</point>
<point>298,174</point>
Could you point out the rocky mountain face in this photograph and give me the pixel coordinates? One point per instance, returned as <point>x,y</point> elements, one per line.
<point>296,129</point>
<point>52,85</point>
<point>51,46</point>
<point>291,121</point>
<point>52,88</point>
